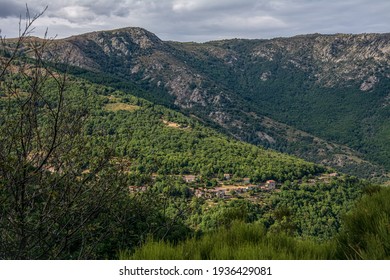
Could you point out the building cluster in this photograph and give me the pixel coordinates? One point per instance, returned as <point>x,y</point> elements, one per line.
<point>221,192</point>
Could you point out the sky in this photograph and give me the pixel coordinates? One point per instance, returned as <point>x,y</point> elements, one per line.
<point>200,20</point>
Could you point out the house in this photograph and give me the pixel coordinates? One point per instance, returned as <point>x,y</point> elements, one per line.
<point>134,189</point>
<point>220,194</point>
<point>199,193</point>
<point>246,180</point>
<point>227,176</point>
<point>271,184</point>
<point>189,178</point>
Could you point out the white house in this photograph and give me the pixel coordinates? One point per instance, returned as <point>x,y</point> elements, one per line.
<point>271,184</point>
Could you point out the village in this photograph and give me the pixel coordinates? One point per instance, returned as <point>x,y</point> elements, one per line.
<point>227,188</point>
<point>223,189</point>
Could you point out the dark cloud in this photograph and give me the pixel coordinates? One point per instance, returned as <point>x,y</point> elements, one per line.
<point>11,9</point>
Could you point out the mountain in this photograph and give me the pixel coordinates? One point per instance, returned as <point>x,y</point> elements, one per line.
<point>321,97</point>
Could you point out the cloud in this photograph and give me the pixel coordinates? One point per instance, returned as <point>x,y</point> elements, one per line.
<point>11,9</point>
<point>201,5</point>
<point>202,20</point>
<point>244,24</point>
<point>75,14</point>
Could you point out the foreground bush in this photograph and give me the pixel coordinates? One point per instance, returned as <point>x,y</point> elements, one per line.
<point>366,229</point>
<point>240,241</point>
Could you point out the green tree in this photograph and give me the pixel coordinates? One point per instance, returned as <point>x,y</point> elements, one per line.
<point>52,190</point>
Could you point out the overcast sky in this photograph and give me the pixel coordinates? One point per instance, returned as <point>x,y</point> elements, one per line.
<point>201,20</point>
